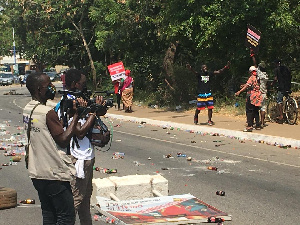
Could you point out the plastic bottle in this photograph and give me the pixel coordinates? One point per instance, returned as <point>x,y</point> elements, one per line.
<point>108,171</point>
<point>28,201</point>
<point>221,193</point>
<point>119,153</point>
<point>213,219</point>
<point>212,168</point>
<point>179,154</point>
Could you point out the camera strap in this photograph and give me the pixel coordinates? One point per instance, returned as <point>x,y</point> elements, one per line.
<point>28,136</point>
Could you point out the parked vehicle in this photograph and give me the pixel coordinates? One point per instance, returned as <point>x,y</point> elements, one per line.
<point>27,72</point>
<point>6,78</point>
<point>53,76</point>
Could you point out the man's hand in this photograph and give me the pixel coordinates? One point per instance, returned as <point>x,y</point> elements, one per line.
<point>80,105</point>
<point>102,110</point>
<point>81,102</point>
<point>252,53</point>
<point>228,65</point>
<point>99,100</point>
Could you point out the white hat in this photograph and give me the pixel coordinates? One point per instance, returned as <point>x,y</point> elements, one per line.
<point>252,68</point>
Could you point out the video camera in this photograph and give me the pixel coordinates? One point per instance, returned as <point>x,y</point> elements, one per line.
<point>109,100</point>
<point>67,102</point>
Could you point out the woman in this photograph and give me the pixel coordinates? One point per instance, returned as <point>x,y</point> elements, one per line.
<point>117,88</point>
<point>254,98</point>
<point>127,91</point>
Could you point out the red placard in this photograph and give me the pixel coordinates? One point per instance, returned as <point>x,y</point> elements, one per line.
<point>116,71</point>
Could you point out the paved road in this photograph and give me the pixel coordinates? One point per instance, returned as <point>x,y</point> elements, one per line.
<point>227,125</point>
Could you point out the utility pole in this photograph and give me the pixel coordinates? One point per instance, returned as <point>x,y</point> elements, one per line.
<point>16,69</point>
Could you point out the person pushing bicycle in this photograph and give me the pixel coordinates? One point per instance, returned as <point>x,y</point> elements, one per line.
<point>283,78</point>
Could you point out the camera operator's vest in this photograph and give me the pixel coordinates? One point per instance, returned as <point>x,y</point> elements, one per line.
<point>47,160</point>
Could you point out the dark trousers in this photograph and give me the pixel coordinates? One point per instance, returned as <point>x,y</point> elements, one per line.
<point>118,100</point>
<point>252,112</point>
<point>56,201</point>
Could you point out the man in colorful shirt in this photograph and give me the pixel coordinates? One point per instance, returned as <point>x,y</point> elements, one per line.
<point>205,98</point>
<point>254,98</point>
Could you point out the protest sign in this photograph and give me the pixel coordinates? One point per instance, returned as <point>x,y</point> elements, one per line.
<point>253,38</point>
<point>185,209</point>
<point>116,71</point>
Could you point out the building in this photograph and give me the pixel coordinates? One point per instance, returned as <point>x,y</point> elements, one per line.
<point>21,64</point>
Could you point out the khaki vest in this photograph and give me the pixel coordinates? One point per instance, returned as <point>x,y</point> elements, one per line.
<point>46,159</point>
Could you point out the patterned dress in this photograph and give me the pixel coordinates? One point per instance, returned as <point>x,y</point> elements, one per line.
<point>256,97</point>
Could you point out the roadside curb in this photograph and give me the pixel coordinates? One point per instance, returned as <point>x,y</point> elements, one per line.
<point>206,130</point>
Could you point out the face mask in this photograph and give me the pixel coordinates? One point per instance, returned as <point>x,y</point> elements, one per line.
<point>50,93</point>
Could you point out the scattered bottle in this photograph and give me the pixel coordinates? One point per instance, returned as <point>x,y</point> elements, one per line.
<point>179,154</point>
<point>118,155</point>
<point>108,171</point>
<point>28,201</point>
<point>213,219</point>
<point>221,193</point>
<point>212,168</point>
<point>96,168</point>
<point>5,164</point>
<point>109,220</point>
<point>168,156</point>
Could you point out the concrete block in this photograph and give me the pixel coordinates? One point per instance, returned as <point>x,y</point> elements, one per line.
<point>159,183</point>
<point>132,187</point>
<point>102,187</point>
<point>129,187</point>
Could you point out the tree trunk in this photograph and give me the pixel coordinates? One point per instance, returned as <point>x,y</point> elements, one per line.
<point>93,69</point>
<point>168,65</point>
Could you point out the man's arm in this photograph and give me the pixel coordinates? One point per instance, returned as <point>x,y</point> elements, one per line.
<point>252,55</point>
<point>244,87</point>
<point>61,137</point>
<point>82,129</point>
<point>191,69</point>
<point>223,69</point>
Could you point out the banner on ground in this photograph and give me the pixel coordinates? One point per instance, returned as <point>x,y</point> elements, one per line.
<point>163,210</point>
<point>116,71</point>
<point>253,38</point>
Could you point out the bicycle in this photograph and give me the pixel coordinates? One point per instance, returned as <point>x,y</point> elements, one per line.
<point>290,108</point>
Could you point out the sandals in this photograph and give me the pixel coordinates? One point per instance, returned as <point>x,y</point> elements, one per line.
<point>279,121</point>
<point>248,129</point>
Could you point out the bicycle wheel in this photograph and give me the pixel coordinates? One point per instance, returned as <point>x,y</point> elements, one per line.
<point>272,110</point>
<point>291,111</point>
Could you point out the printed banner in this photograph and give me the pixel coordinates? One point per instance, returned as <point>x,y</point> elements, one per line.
<point>116,71</point>
<point>160,210</point>
<point>253,38</point>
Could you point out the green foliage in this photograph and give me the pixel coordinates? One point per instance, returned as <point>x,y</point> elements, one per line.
<point>98,33</point>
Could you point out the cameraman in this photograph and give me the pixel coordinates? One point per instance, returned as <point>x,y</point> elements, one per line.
<point>82,151</point>
<point>49,167</point>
